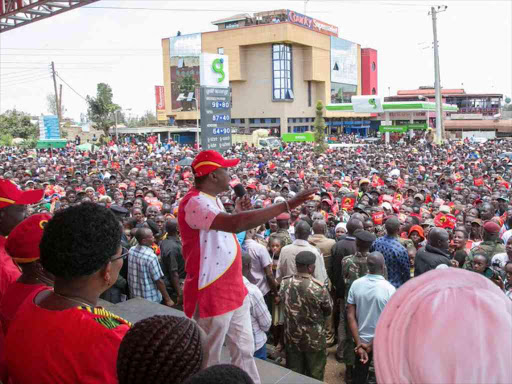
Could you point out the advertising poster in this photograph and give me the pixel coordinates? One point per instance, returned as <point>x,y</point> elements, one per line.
<point>344,69</point>
<point>185,51</point>
<point>160,103</point>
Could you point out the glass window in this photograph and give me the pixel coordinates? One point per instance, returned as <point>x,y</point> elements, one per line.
<point>273,121</point>
<point>282,72</point>
<point>220,51</point>
<point>251,121</point>
<point>242,121</point>
<point>373,66</point>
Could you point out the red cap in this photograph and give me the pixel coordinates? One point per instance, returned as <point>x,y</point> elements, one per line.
<point>208,161</point>
<point>11,194</point>
<point>492,227</point>
<point>252,186</point>
<point>23,241</point>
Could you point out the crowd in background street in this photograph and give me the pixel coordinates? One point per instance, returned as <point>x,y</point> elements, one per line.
<point>386,225</point>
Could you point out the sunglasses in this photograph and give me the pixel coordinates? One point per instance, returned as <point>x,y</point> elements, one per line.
<point>124,256</point>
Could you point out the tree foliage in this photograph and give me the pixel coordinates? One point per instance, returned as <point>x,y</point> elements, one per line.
<point>17,124</point>
<point>51,105</point>
<point>101,108</point>
<point>320,145</point>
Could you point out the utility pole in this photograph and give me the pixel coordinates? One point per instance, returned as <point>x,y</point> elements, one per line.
<point>57,103</point>
<point>439,99</point>
<point>60,99</point>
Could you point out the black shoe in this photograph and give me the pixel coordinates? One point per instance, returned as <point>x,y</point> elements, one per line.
<point>338,359</point>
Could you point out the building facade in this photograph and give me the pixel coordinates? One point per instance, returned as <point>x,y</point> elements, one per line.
<point>280,64</point>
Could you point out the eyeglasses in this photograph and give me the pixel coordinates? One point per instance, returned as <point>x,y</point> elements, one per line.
<point>124,256</point>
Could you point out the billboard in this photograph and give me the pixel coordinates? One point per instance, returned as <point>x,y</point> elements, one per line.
<point>49,128</point>
<point>185,51</point>
<point>344,69</point>
<point>214,70</point>
<point>215,118</point>
<point>310,23</point>
<point>160,103</point>
<point>367,104</point>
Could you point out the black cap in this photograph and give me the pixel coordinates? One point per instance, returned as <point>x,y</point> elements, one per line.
<point>305,258</point>
<point>119,210</point>
<point>365,236</point>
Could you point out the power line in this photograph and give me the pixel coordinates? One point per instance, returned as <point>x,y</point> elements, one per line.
<point>70,87</point>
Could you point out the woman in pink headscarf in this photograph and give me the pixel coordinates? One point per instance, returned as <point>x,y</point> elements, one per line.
<point>446,326</point>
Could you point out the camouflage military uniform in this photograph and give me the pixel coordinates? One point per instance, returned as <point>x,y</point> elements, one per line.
<point>284,235</point>
<point>487,248</point>
<point>307,304</point>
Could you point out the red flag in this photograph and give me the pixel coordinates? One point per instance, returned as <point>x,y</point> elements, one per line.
<point>443,220</point>
<point>378,218</point>
<point>348,203</point>
<point>398,198</point>
<point>478,182</point>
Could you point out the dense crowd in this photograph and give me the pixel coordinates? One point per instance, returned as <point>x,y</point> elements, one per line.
<point>325,241</point>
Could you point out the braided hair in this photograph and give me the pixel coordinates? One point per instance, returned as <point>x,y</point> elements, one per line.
<point>160,350</point>
<point>221,373</point>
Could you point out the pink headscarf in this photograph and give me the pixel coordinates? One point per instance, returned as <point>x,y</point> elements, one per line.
<point>446,326</point>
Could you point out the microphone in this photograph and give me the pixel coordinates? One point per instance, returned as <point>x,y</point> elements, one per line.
<point>239,191</point>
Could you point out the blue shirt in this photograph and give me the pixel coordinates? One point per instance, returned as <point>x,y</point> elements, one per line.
<point>396,257</point>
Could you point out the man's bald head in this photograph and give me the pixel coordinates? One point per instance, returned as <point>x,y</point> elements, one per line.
<point>376,263</point>
<point>142,234</point>
<point>392,226</point>
<point>302,230</point>
<point>319,227</point>
<point>439,238</point>
<point>171,227</point>
<point>354,224</point>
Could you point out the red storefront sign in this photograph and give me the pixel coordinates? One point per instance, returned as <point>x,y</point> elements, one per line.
<point>313,24</point>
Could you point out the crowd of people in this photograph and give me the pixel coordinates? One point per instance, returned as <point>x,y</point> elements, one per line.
<point>375,249</point>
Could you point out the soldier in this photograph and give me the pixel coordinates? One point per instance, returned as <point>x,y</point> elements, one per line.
<point>489,247</point>
<point>319,240</point>
<point>283,223</point>
<point>354,267</point>
<point>307,304</point>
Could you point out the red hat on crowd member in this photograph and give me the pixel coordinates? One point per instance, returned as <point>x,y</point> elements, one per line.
<point>492,227</point>
<point>208,161</point>
<point>252,186</point>
<point>23,241</point>
<point>11,194</point>
<point>283,216</point>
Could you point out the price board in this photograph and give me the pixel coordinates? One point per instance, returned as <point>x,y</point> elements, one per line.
<point>215,118</point>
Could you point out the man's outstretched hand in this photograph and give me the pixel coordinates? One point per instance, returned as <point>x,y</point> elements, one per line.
<point>301,197</point>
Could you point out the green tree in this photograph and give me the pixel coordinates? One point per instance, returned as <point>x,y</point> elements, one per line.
<point>101,108</point>
<point>51,105</point>
<point>17,124</point>
<point>320,145</point>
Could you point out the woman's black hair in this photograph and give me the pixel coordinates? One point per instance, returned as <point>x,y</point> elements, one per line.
<point>222,373</point>
<point>160,350</point>
<point>79,240</point>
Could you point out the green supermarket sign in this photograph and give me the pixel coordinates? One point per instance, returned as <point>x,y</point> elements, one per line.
<point>306,137</point>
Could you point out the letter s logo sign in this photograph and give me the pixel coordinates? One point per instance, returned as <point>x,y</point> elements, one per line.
<point>218,67</point>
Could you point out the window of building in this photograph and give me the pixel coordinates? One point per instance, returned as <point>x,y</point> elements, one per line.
<point>273,121</point>
<point>373,66</point>
<point>242,121</point>
<point>374,92</point>
<point>220,51</point>
<point>251,121</point>
<point>232,121</point>
<point>282,87</point>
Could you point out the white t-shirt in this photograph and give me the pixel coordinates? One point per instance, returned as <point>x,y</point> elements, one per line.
<point>369,294</point>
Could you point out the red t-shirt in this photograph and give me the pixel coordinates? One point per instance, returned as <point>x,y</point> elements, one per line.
<point>13,298</point>
<point>213,259</point>
<point>76,345</point>
<point>9,272</point>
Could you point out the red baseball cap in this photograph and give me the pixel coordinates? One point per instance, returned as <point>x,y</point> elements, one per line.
<point>208,161</point>
<point>11,194</point>
<point>23,241</point>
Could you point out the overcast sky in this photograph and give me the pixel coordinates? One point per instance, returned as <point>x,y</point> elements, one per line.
<point>122,47</point>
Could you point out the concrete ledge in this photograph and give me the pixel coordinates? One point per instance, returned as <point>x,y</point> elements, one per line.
<point>137,309</point>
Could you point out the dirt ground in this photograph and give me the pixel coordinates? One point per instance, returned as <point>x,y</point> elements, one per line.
<point>334,371</point>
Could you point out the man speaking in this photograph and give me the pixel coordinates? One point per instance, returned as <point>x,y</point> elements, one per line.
<point>214,293</point>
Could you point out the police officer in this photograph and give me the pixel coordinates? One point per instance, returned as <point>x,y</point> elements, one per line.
<point>307,305</point>
<point>283,223</point>
<point>354,267</point>
<point>489,247</point>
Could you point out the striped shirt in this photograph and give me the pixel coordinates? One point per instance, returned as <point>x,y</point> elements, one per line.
<point>260,316</point>
<point>143,272</point>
